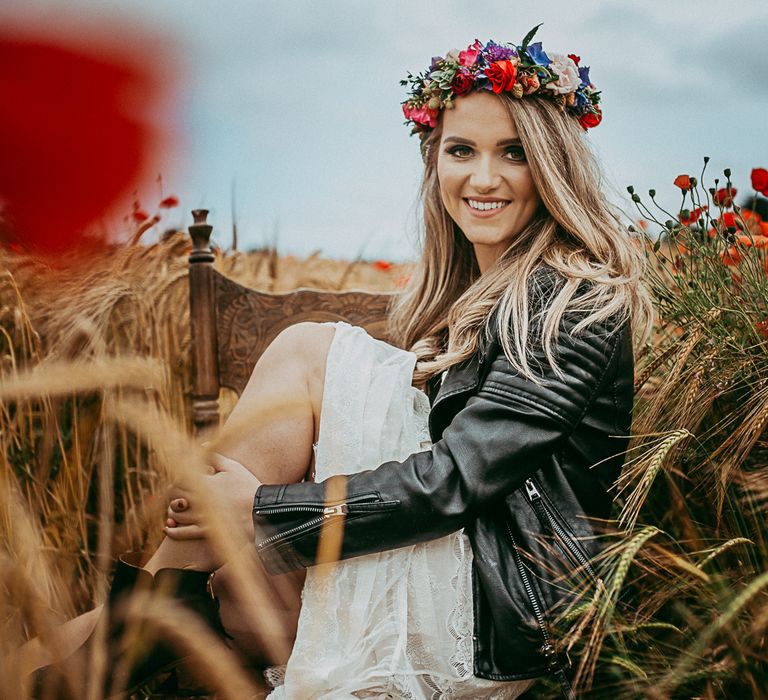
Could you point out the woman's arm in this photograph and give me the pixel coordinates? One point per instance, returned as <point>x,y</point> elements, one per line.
<point>502,435</point>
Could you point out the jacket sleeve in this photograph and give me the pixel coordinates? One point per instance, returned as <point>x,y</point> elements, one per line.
<point>501,436</point>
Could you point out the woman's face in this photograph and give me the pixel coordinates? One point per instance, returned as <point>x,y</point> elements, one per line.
<point>485,181</point>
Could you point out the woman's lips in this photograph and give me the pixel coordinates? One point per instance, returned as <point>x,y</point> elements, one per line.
<point>486,213</point>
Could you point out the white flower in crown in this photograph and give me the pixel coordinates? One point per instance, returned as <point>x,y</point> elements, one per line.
<point>568,79</point>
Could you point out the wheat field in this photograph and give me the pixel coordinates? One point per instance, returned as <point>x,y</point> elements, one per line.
<point>96,424</point>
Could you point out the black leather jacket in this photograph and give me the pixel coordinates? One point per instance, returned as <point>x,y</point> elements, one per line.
<point>516,464</point>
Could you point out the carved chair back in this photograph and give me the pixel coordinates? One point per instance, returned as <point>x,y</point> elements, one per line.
<point>231,325</point>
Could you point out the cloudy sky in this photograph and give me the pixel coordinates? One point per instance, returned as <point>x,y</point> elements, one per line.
<point>296,105</point>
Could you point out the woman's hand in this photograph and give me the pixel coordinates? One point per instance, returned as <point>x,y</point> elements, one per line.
<point>226,495</point>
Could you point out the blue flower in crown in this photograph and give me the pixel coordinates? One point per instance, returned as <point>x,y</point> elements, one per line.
<point>537,55</point>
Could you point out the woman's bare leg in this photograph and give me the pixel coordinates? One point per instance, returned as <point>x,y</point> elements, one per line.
<point>270,431</point>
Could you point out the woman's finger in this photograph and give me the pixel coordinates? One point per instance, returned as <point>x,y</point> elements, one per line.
<point>185,532</point>
<point>183,518</point>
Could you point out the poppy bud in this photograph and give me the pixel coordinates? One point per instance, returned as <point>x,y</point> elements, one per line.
<point>434,103</point>
<point>517,90</point>
<point>651,193</point>
<point>727,172</point>
<point>630,189</point>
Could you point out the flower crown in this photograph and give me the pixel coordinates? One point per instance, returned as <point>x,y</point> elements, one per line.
<point>520,70</point>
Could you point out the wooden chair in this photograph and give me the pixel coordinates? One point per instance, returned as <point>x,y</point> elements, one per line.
<point>231,325</point>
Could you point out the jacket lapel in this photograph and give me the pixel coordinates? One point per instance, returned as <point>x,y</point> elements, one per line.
<point>462,378</point>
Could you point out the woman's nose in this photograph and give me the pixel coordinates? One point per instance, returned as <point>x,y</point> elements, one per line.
<point>484,176</point>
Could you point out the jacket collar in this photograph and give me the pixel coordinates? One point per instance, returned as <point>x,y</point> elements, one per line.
<point>461,379</point>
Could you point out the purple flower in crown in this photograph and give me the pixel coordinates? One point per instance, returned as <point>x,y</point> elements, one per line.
<point>435,61</point>
<point>584,75</point>
<point>495,52</point>
<point>537,54</point>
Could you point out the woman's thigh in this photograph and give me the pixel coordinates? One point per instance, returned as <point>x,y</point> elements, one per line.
<point>273,425</point>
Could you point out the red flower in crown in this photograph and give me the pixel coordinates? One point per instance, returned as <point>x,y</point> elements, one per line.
<point>589,120</point>
<point>574,58</point>
<point>502,75</point>
<point>462,83</point>
<point>469,57</point>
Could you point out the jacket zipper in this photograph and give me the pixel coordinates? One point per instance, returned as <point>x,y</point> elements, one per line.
<point>324,513</point>
<point>548,649</point>
<point>545,515</point>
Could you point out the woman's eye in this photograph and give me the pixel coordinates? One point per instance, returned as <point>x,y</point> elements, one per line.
<point>460,151</point>
<point>516,153</point>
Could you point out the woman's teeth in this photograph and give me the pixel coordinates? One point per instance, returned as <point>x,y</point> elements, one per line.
<point>484,206</point>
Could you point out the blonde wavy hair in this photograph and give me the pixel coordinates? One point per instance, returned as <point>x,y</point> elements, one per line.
<point>445,309</point>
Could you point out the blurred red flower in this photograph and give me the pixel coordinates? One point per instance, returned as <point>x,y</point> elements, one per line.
<point>169,202</point>
<point>139,215</point>
<point>760,180</point>
<point>382,265</point>
<point>762,328</point>
<point>74,135</point>
<point>732,256</point>
<point>724,196</point>
<point>693,216</point>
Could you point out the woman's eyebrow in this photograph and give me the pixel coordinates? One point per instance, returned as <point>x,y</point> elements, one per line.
<point>458,139</point>
<point>469,142</point>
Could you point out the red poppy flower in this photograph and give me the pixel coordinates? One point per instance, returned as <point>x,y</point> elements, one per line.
<point>762,328</point>
<point>139,215</point>
<point>724,196</point>
<point>732,256</point>
<point>692,217</point>
<point>760,180</point>
<point>683,182</point>
<point>169,202</point>
<point>574,58</point>
<point>382,265</point>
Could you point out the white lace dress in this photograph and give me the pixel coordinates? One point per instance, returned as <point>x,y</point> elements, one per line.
<point>396,624</point>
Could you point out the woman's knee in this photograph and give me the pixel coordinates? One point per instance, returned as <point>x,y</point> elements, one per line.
<point>307,340</point>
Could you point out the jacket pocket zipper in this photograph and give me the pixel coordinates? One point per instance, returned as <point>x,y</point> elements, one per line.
<point>366,503</point>
<point>547,650</point>
<point>547,517</point>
